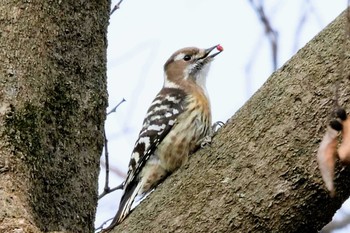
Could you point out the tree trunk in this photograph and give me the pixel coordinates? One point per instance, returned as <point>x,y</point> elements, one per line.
<point>260,174</point>
<point>52,111</point>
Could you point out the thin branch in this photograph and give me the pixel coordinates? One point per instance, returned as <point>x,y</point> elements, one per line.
<point>110,190</point>
<point>302,20</point>
<point>101,226</point>
<point>107,189</point>
<point>271,34</point>
<point>117,172</point>
<point>249,65</point>
<point>107,161</point>
<point>307,12</point>
<point>152,48</point>
<point>115,108</point>
<point>121,186</point>
<point>116,7</point>
<point>256,50</point>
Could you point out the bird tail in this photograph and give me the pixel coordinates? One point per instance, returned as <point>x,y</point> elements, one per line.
<point>131,191</point>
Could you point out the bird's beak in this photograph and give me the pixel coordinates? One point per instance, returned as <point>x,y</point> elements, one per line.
<point>207,51</point>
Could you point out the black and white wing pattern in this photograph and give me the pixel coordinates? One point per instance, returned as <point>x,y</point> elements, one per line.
<point>161,116</point>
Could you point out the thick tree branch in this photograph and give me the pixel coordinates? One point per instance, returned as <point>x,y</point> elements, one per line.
<point>53,98</point>
<point>260,174</point>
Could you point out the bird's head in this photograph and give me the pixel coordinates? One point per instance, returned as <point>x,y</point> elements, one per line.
<point>189,64</point>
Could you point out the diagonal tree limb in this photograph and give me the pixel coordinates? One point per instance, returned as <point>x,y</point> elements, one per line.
<point>260,173</point>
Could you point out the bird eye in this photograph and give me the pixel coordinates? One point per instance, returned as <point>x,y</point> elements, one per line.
<point>187,57</point>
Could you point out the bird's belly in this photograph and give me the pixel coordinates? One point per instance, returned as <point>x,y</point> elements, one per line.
<point>182,140</point>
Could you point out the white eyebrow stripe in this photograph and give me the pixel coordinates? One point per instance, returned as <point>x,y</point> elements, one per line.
<point>179,56</point>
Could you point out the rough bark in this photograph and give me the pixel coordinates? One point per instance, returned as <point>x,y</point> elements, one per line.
<point>52,112</point>
<point>260,173</point>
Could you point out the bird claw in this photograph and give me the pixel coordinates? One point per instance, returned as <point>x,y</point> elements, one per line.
<point>216,126</point>
<point>214,129</point>
<point>206,141</point>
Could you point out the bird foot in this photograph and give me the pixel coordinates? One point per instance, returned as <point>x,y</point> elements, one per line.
<point>214,129</point>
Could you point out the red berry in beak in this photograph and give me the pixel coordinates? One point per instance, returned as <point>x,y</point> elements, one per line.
<point>219,47</point>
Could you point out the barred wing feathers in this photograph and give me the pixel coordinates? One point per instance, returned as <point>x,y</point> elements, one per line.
<point>160,118</point>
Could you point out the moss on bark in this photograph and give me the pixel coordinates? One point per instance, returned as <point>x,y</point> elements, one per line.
<point>53,100</point>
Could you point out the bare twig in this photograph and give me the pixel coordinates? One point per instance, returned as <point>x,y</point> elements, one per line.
<point>307,10</point>
<point>121,186</point>
<point>271,33</point>
<point>116,7</point>
<point>101,226</point>
<point>302,20</point>
<point>152,48</point>
<point>107,189</point>
<point>110,190</point>
<point>115,108</point>
<point>116,171</point>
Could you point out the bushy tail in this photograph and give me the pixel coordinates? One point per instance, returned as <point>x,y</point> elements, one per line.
<point>130,192</point>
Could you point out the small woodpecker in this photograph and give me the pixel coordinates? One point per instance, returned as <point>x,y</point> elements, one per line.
<point>176,123</point>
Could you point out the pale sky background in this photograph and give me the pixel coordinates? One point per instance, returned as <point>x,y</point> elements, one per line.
<point>143,34</point>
